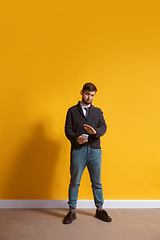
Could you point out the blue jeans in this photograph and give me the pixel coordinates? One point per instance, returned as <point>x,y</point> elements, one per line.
<point>80,158</point>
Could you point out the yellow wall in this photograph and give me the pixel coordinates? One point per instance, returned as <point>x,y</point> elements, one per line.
<point>48,50</point>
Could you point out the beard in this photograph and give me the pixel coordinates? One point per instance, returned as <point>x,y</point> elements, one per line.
<point>87,103</point>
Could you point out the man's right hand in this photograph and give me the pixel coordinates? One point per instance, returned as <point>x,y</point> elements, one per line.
<point>81,140</point>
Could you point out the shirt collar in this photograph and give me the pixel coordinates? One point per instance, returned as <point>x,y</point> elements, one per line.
<point>82,106</point>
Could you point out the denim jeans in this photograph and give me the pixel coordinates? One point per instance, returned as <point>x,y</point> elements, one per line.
<point>80,158</point>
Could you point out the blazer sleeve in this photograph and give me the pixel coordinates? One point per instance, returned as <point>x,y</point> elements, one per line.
<point>72,137</point>
<point>102,127</point>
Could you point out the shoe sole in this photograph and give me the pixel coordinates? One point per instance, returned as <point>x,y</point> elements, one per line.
<point>104,220</point>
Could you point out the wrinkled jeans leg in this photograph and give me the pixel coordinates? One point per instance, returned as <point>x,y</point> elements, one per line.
<point>77,165</point>
<point>94,168</point>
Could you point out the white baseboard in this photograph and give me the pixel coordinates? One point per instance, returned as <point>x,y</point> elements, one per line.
<point>80,204</point>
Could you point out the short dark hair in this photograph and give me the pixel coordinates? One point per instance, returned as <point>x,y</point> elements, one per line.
<point>90,87</point>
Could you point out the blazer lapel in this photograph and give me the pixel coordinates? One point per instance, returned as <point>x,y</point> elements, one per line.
<point>80,109</point>
<point>90,110</point>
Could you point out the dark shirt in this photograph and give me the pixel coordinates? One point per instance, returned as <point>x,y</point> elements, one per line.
<point>74,128</point>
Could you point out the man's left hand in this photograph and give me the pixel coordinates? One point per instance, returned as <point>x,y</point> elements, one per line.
<point>89,129</point>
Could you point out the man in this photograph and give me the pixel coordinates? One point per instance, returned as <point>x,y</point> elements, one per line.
<point>84,118</point>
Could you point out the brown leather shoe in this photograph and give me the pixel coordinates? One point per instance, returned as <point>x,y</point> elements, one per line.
<point>69,217</point>
<point>103,215</point>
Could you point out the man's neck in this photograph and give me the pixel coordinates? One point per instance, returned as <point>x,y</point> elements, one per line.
<point>86,105</point>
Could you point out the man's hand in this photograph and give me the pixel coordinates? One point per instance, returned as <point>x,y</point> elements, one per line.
<point>81,140</point>
<point>89,129</point>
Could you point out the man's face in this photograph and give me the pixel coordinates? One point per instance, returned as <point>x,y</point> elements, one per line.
<point>87,96</point>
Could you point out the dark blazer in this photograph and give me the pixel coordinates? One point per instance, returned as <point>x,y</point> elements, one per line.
<point>74,125</point>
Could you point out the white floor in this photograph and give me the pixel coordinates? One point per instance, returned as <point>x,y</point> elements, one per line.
<point>46,224</point>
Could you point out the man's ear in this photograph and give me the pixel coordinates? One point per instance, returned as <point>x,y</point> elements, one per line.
<point>81,92</point>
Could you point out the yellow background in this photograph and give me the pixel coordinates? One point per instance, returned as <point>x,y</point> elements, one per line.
<point>48,50</point>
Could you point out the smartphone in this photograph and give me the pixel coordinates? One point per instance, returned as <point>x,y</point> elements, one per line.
<point>85,136</point>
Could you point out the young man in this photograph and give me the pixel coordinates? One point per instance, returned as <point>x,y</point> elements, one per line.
<point>84,118</point>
